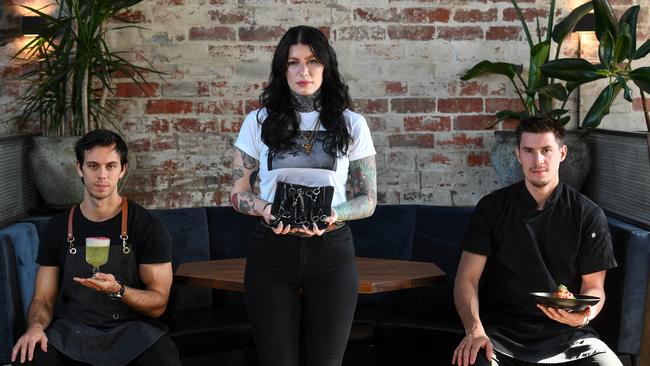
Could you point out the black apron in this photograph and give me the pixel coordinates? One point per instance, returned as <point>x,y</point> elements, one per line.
<point>92,327</point>
<point>524,332</point>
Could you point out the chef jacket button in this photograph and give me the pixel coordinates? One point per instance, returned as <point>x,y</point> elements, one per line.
<point>116,316</point>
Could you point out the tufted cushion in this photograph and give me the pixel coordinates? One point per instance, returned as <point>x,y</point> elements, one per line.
<point>188,228</point>
<point>24,237</point>
<point>388,233</point>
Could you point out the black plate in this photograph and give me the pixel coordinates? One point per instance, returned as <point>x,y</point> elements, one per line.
<point>580,303</point>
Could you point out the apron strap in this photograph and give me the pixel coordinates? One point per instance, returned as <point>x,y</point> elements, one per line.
<point>123,234</point>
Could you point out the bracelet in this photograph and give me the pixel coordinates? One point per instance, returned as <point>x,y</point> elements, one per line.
<point>264,208</point>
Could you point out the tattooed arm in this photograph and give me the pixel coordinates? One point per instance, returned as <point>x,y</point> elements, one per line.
<point>244,173</point>
<point>363,175</point>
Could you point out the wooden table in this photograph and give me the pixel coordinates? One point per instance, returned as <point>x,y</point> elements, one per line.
<point>375,274</point>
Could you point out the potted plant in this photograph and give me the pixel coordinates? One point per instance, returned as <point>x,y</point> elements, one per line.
<point>68,75</point>
<point>539,94</point>
<point>620,181</point>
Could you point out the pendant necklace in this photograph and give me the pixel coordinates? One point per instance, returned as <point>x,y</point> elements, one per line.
<point>309,139</point>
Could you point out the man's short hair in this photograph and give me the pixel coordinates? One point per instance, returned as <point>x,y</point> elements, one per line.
<point>541,124</point>
<point>101,137</point>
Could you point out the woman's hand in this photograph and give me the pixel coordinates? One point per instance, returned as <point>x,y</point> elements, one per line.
<point>314,230</point>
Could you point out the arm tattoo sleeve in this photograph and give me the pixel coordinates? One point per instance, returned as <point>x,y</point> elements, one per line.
<point>244,200</point>
<point>363,178</point>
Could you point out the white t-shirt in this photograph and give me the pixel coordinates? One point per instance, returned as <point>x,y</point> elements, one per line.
<point>296,166</point>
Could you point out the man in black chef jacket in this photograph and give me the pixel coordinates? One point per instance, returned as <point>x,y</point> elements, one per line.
<point>110,319</point>
<point>530,237</point>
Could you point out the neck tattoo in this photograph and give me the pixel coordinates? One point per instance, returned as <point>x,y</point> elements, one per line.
<point>305,103</point>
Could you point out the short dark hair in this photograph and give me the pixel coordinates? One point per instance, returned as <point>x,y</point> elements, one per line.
<point>101,137</point>
<point>541,124</point>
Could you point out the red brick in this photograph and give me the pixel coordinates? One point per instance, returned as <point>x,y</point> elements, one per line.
<point>460,33</point>
<point>360,33</point>
<point>422,15</point>
<point>438,158</point>
<point>474,122</point>
<point>478,159</point>
<point>424,141</point>
<point>413,105</point>
<point>230,126</point>
<point>131,16</point>
<point>167,106</point>
<point>461,140</point>
<point>427,123</point>
<point>503,33</point>
<point>475,15</point>
<point>395,87</point>
<point>370,106</point>
<point>460,105</point>
<point>140,145</point>
<point>510,14</point>
<point>220,107</point>
<point>240,15</point>
<point>637,104</point>
<point>477,88</point>
<point>203,89</point>
<point>261,33</point>
<point>411,32</point>
<point>251,105</point>
<point>212,34</point>
<point>377,123</point>
<point>236,52</point>
<point>159,126</point>
<point>224,89</point>
<point>132,90</point>
<point>493,105</point>
<point>509,124</point>
<point>194,125</point>
<point>377,15</point>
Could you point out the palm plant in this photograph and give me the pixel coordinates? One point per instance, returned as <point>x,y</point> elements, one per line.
<point>69,68</point>
<point>616,51</point>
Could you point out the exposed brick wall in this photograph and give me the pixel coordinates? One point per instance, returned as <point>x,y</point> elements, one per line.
<point>402,60</point>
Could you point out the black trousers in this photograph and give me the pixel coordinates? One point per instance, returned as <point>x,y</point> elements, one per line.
<point>162,352</point>
<point>301,295</point>
<point>608,358</point>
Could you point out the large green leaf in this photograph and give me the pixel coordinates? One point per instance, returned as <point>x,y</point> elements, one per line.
<point>571,69</point>
<point>555,90</point>
<point>606,49</point>
<point>627,91</point>
<point>622,45</point>
<point>641,77</point>
<point>522,19</point>
<point>630,18</point>
<point>601,106</point>
<point>605,19</point>
<point>566,26</point>
<point>538,56</point>
<point>642,51</point>
<point>488,67</point>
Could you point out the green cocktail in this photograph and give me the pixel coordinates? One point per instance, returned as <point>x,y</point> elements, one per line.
<point>97,252</point>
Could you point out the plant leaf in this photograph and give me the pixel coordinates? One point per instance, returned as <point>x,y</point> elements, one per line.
<point>538,56</point>
<point>488,67</point>
<point>627,91</point>
<point>501,115</point>
<point>555,90</point>
<point>641,77</point>
<point>606,49</point>
<point>605,19</point>
<point>571,69</point>
<point>623,44</point>
<point>601,105</point>
<point>642,51</point>
<point>523,23</point>
<point>566,26</point>
<point>564,120</point>
<point>630,18</point>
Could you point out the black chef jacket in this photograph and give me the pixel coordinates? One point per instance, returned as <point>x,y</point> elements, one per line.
<point>531,250</point>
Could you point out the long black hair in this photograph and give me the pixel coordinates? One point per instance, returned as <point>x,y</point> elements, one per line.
<point>281,125</point>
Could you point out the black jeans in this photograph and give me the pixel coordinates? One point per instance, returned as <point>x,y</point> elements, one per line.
<point>301,295</point>
<point>162,352</point>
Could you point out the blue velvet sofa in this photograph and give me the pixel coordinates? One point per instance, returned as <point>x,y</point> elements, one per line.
<point>408,327</point>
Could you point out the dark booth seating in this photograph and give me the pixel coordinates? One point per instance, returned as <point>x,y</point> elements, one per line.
<point>414,326</point>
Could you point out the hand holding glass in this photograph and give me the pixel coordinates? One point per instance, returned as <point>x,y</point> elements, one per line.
<point>97,252</point>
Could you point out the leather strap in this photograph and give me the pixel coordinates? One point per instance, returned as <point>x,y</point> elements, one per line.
<point>125,214</point>
<point>70,236</point>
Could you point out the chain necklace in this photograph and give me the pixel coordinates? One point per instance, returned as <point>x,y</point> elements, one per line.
<point>309,138</point>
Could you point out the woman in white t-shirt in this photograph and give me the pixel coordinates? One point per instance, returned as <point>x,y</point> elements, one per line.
<point>303,280</point>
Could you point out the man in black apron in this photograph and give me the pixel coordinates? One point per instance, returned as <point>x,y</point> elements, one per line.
<point>111,319</point>
<point>530,237</point>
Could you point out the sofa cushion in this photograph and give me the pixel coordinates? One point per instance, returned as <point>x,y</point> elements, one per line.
<point>12,318</point>
<point>388,233</point>
<point>24,237</point>
<point>229,232</point>
<point>188,229</point>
